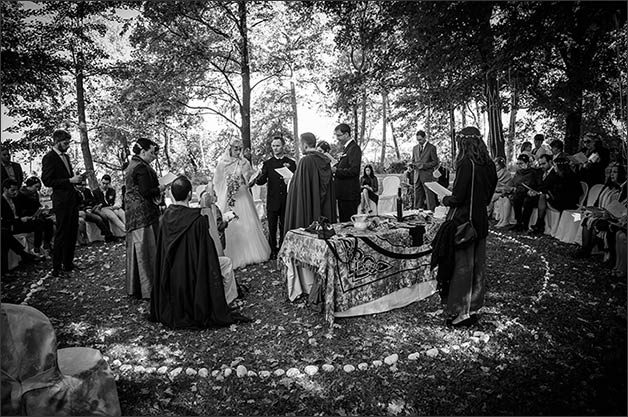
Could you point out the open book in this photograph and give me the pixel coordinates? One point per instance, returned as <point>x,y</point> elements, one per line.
<point>167,179</point>
<point>438,189</point>
<point>285,173</point>
<point>578,158</point>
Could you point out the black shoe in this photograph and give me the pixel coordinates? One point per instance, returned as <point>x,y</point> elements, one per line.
<point>473,319</point>
<point>111,238</point>
<point>71,268</point>
<point>581,254</point>
<point>29,258</point>
<point>273,255</point>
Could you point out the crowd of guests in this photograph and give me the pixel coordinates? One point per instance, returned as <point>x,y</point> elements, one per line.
<point>548,178</point>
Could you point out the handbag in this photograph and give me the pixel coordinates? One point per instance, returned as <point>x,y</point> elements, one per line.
<point>465,233</point>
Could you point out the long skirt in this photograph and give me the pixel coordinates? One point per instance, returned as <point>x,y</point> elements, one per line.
<point>467,285</point>
<point>141,252</point>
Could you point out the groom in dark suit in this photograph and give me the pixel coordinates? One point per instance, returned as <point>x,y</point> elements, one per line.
<point>347,173</point>
<point>276,192</point>
<point>57,173</point>
<point>425,161</point>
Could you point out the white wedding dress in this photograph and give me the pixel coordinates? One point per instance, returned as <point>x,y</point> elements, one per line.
<point>245,240</point>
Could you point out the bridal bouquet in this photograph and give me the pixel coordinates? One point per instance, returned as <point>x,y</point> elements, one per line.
<point>233,186</point>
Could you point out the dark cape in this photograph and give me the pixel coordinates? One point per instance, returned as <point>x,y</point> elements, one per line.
<point>188,291</point>
<point>310,194</point>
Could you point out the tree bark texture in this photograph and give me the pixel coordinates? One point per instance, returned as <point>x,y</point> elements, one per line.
<point>512,125</point>
<point>80,104</point>
<point>295,121</point>
<point>392,134</point>
<point>384,123</point>
<point>245,108</point>
<point>363,121</point>
<point>452,131</point>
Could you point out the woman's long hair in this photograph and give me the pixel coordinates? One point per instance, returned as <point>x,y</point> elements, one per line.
<point>370,177</point>
<point>621,176</point>
<point>471,145</point>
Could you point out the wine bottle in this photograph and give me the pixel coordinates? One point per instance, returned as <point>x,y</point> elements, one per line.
<point>399,206</point>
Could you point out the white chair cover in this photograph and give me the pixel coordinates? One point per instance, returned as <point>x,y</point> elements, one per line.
<point>569,229</point>
<point>388,198</point>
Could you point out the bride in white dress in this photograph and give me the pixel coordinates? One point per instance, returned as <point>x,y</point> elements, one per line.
<point>246,242</point>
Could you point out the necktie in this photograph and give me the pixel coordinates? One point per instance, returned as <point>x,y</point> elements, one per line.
<point>66,162</point>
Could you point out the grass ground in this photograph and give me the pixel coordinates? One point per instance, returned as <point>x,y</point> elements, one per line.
<point>552,341</point>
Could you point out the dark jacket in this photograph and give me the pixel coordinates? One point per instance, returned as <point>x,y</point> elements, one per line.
<point>142,195</point>
<point>276,190</point>
<point>107,199</point>
<point>528,176</point>
<point>26,203</point>
<point>17,170</point>
<point>56,176</point>
<point>348,173</point>
<point>8,218</point>
<point>484,187</point>
<point>86,198</point>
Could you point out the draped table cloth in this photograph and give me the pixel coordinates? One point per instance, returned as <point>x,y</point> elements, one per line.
<point>358,272</point>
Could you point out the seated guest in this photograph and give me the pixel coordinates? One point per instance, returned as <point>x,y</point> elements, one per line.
<point>503,179</point>
<point>526,149</point>
<point>105,200</point>
<point>619,270</point>
<point>526,177</point>
<point>559,187</point>
<point>217,228</point>
<point>557,148</point>
<point>600,226</point>
<point>369,197</point>
<point>539,147</point>
<point>15,223</point>
<point>27,204</point>
<point>188,291</point>
<point>87,212</point>
<point>598,157</point>
<point>12,225</point>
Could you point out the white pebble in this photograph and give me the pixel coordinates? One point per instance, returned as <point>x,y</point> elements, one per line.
<point>478,334</point>
<point>279,372</point>
<point>485,338</point>
<point>125,367</point>
<point>175,372</point>
<point>264,374</point>
<point>251,373</point>
<point>190,371</point>
<point>150,369</point>
<point>241,371</point>
<point>445,350</point>
<point>377,364</point>
<point>106,358</point>
<point>215,373</point>
<point>139,369</point>
<point>413,356</point>
<point>116,363</point>
<point>203,372</point>
<point>328,368</point>
<point>311,370</point>
<point>227,372</point>
<point>432,353</point>
<point>348,368</point>
<point>392,359</point>
<point>293,373</point>
<point>363,366</point>
<point>465,344</point>
<point>162,370</point>
<point>474,339</point>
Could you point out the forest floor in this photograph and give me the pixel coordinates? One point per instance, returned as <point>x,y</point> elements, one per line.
<point>551,340</point>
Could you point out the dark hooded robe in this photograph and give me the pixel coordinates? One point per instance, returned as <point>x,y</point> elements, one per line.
<point>310,193</point>
<point>188,291</point>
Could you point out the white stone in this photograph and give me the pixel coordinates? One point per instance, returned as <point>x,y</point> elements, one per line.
<point>106,358</point>
<point>175,372</point>
<point>190,371</point>
<point>220,378</point>
<point>311,370</point>
<point>392,359</point>
<point>478,334</point>
<point>432,353</point>
<point>241,371</point>
<point>203,372</point>
<point>264,374</point>
<point>348,368</point>
<point>279,372</point>
<point>413,356</point>
<point>227,372</point>
<point>465,344</point>
<point>328,368</point>
<point>445,350</point>
<point>116,363</point>
<point>139,369</point>
<point>215,373</point>
<point>251,373</point>
<point>377,364</point>
<point>474,339</point>
<point>162,370</point>
<point>484,338</point>
<point>125,367</point>
<point>293,372</point>
<point>363,366</point>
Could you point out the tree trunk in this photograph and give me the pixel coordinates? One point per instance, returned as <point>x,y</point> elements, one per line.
<point>392,134</point>
<point>384,123</point>
<point>245,108</point>
<point>494,113</point>
<point>355,124</point>
<point>363,122</point>
<point>295,121</point>
<point>463,115</point>
<point>80,104</point>
<point>452,132</point>
<point>428,123</point>
<point>573,119</point>
<point>167,149</point>
<point>512,124</point>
